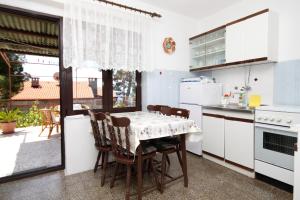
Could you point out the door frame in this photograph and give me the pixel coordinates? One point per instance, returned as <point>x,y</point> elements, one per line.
<point>63,102</point>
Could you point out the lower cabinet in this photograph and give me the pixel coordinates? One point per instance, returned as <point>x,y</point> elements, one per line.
<point>213,135</point>
<point>239,143</point>
<point>229,136</point>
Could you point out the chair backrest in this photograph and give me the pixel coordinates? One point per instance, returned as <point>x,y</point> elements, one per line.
<point>150,108</point>
<point>99,127</point>
<point>55,116</point>
<point>46,116</point>
<point>180,112</point>
<point>120,136</point>
<point>165,110</point>
<point>153,108</point>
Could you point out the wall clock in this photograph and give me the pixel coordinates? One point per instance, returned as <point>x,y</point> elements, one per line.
<point>169,45</point>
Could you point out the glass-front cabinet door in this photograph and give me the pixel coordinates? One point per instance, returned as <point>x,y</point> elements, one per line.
<point>198,52</point>
<point>208,49</point>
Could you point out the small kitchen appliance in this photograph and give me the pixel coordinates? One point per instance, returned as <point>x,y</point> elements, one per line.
<point>275,137</point>
<point>195,93</point>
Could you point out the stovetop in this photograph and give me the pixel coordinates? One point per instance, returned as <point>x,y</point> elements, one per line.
<point>280,108</point>
<point>280,115</point>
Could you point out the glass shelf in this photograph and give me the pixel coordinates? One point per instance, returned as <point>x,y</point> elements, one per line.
<point>221,40</point>
<point>208,49</point>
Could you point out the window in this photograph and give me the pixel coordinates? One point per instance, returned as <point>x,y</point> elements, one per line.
<point>87,89</point>
<point>124,89</point>
<point>106,91</point>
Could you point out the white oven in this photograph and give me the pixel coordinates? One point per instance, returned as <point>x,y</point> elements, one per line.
<point>275,137</point>
<point>275,145</point>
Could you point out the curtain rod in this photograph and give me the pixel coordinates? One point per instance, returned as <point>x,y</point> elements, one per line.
<point>152,14</point>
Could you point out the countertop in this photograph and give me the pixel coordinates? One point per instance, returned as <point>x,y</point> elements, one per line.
<point>231,107</point>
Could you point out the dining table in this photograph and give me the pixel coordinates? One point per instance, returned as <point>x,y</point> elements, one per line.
<point>147,126</point>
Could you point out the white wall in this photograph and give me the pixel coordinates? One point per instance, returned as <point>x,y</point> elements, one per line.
<point>170,25</point>
<point>288,16</point>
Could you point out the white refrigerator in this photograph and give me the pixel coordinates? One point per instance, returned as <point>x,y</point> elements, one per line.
<point>194,93</point>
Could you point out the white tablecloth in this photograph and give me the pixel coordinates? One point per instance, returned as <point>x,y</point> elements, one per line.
<point>146,126</point>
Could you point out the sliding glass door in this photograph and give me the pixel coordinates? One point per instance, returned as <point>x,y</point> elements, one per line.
<point>31,134</point>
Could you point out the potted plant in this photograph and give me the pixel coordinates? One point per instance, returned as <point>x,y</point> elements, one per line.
<point>8,120</point>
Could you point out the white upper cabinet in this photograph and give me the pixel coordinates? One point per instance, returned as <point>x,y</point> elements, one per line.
<point>247,40</point>
<point>234,42</point>
<point>256,37</point>
<point>208,49</point>
<point>252,38</point>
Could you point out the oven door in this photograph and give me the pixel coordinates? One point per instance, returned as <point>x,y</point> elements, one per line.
<point>275,145</point>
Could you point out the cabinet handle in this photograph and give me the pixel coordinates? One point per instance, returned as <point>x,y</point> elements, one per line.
<point>239,119</point>
<point>295,147</point>
<point>213,115</point>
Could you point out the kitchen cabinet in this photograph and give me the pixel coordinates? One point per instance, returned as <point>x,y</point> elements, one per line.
<point>239,142</point>
<point>234,42</point>
<point>229,136</point>
<point>255,32</point>
<point>213,134</point>
<point>208,49</point>
<point>250,39</point>
<point>247,40</point>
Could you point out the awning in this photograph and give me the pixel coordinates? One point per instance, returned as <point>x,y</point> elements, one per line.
<point>24,34</point>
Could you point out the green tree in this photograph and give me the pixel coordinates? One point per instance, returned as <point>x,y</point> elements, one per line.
<point>17,77</point>
<point>124,84</point>
<point>124,81</point>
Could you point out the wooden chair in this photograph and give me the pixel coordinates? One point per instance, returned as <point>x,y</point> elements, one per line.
<point>119,134</point>
<point>49,120</point>
<point>170,145</point>
<point>55,117</point>
<point>180,112</point>
<point>165,110</point>
<point>153,108</point>
<point>101,142</point>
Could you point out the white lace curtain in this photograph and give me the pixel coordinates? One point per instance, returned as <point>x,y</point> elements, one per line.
<point>105,37</point>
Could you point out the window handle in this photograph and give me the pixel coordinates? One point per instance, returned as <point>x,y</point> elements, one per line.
<point>295,147</point>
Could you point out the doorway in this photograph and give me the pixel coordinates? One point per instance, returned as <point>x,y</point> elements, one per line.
<point>30,94</point>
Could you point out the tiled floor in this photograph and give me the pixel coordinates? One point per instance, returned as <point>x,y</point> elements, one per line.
<point>207,180</point>
<point>26,150</point>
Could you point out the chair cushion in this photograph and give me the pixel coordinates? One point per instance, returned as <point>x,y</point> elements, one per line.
<point>148,147</point>
<point>172,140</point>
<point>162,145</point>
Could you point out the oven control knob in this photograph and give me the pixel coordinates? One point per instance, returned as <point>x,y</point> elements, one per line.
<point>272,119</point>
<point>266,118</point>
<point>289,121</point>
<point>278,120</point>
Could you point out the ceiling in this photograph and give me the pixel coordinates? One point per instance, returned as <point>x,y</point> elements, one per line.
<point>192,8</point>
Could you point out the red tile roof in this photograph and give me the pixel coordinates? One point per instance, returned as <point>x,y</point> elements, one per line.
<point>50,90</point>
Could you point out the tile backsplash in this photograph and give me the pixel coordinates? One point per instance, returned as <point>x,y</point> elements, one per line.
<point>287,83</point>
<point>277,83</point>
<point>260,80</point>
